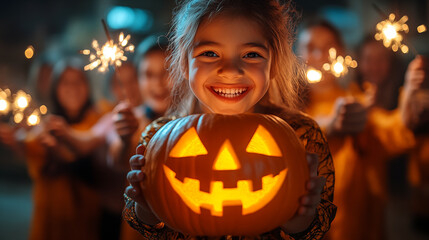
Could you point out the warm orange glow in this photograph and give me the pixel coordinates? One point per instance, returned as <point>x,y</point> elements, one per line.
<point>263,143</point>
<point>18,117</point>
<point>314,76</point>
<point>33,119</point>
<point>226,159</point>
<point>43,109</point>
<point>21,100</point>
<point>29,52</point>
<point>189,145</point>
<point>251,201</point>
<point>338,65</point>
<point>389,31</point>
<point>4,106</point>
<point>110,54</point>
<point>421,28</point>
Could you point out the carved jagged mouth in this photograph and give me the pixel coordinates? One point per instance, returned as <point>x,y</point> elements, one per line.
<point>218,197</point>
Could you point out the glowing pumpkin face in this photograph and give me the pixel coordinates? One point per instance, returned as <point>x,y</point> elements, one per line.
<point>225,175</point>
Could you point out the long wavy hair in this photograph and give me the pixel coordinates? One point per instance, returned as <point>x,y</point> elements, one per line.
<point>275,17</point>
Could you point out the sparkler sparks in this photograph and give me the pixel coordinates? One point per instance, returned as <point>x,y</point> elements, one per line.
<point>314,75</point>
<point>18,104</point>
<point>389,31</point>
<point>109,54</point>
<point>339,65</point>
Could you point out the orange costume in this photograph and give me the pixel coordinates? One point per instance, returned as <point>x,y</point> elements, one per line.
<point>360,166</point>
<point>65,206</point>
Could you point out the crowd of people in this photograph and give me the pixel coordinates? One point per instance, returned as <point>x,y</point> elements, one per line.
<point>79,157</point>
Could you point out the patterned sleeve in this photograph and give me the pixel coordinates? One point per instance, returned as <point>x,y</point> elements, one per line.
<point>315,142</point>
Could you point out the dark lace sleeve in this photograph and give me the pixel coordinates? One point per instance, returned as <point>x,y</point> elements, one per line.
<point>315,142</point>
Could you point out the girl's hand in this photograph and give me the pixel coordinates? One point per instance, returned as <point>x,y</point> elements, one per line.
<point>350,117</point>
<point>135,177</point>
<point>309,202</point>
<point>57,126</point>
<point>414,105</point>
<point>126,124</point>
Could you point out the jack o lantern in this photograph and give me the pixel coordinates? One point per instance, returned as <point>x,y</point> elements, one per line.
<point>216,175</point>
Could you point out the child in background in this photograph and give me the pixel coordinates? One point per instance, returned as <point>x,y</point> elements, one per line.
<point>232,57</point>
<point>362,138</point>
<point>65,204</point>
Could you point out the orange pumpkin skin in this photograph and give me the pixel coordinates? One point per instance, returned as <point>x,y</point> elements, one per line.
<point>192,213</point>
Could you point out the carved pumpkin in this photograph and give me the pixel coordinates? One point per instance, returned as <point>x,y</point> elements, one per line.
<point>215,175</point>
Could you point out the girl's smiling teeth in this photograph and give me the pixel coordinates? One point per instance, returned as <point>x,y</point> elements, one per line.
<point>229,92</point>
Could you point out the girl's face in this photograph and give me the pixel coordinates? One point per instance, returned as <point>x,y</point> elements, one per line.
<point>229,64</point>
<point>72,90</point>
<point>153,81</point>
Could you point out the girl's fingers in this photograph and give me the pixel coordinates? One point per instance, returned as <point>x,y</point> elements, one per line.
<point>310,201</point>
<point>134,177</point>
<point>137,162</point>
<point>307,211</point>
<point>140,149</point>
<point>315,185</point>
<point>313,161</point>
<point>132,192</point>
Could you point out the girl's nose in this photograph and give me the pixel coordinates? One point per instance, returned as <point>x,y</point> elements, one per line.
<point>230,68</point>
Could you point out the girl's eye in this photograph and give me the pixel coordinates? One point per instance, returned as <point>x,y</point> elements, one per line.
<point>252,55</point>
<point>209,54</point>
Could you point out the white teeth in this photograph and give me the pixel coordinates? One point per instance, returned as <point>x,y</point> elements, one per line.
<point>230,92</point>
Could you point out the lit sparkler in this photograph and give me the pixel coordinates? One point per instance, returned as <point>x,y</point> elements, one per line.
<point>110,53</point>
<point>313,75</point>
<point>389,31</point>
<point>18,104</point>
<point>339,65</point>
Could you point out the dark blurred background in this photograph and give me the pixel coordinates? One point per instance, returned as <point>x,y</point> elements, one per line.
<point>54,27</point>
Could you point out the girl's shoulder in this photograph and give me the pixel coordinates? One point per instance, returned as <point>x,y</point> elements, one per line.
<point>152,128</point>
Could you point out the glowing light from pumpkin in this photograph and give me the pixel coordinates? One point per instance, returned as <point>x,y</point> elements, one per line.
<point>189,145</point>
<point>251,201</point>
<point>226,159</point>
<point>389,31</point>
<point>263,143</point>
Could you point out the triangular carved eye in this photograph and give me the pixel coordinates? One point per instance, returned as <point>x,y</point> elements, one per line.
<point>263,143</point>
<point>189,145</point>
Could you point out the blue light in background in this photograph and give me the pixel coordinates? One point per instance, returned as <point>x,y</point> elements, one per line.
<point>137,20</point>
<point>347,21</point>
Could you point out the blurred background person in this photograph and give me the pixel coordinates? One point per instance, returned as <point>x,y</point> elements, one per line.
<point>416,116</point>
<point>66,205</point>
<point>380,68</point>
<point>361,138</point>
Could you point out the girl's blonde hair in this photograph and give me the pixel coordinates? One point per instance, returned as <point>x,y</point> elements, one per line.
<point>277,20</point>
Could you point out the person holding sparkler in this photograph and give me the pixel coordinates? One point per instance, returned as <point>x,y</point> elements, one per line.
<point>415,113</point>
<point>65,204</point>
<point>362,138</point>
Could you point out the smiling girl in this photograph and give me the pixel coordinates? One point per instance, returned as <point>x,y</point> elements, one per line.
<point>232,57</point>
